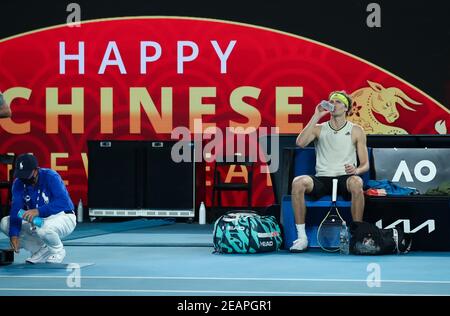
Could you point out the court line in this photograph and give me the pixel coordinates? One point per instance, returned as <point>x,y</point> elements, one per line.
<point>219,292</point>
<point>223,278</point>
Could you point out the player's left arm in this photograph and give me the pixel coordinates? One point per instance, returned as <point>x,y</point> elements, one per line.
<point>361,150</point>
<point>5,110</point>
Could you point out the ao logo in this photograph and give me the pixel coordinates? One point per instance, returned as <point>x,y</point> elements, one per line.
<point>403,169</point>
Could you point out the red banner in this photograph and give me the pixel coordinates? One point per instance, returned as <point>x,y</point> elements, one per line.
<point>140,78</point>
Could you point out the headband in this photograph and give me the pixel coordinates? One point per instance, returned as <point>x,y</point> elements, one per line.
<point>340,97</point>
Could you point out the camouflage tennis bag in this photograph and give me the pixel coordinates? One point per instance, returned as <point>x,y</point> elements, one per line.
<point>246,232</point>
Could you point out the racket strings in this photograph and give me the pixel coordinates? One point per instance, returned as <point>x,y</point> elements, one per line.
<point>329,230</point>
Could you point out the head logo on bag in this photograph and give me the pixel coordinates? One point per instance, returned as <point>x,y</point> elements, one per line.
<point>245,232</point>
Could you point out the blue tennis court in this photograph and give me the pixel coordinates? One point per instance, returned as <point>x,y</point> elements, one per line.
<point>161,257</point>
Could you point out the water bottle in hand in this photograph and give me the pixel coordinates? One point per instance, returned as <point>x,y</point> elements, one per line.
<point>344,238</point>
<point>327,105</point>
<point>37,221</point>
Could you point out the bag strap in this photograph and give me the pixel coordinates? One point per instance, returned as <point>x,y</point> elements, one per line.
<point>241,213</point>
<point>249,234</point>
<point>395,237</point>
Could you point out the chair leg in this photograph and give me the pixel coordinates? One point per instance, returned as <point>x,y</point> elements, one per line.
<point>249,199</point>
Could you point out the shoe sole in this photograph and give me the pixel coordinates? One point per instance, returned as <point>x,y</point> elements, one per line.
<point>298,251</point>
<point>42,259</point>
<point>54,261</point>
<point>36,261</point>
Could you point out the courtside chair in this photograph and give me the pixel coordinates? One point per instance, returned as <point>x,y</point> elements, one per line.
<point>9,161</point>
<point>219,184</point>
<point>305,164</point>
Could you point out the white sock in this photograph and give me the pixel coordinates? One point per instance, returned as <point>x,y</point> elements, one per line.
<point>301,231</point>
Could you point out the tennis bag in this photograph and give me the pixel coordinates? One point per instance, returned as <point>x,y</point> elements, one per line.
<point>6,257</point>
<point>246,232</point>
<point>368,239</point>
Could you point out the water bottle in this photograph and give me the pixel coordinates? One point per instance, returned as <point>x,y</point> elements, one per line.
<point>327,105</point>
<point>37,221</point>
<point>80,212</point>
<point>202,214</point>
<point>344,238</point>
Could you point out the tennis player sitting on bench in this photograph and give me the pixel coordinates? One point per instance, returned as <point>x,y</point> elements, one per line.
<point>337,142</point>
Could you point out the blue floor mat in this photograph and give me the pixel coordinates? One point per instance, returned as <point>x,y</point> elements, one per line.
<point>178,235</point>
<point>84,230</point>
<point>148,240</point>
<point>46,266</point>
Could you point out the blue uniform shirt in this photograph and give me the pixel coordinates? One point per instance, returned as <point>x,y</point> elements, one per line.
<point>49,196</point>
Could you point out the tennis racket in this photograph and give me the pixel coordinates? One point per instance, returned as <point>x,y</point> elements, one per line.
<point>329,228</point>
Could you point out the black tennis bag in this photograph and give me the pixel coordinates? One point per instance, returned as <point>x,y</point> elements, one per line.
<point>6,257</point>
<point>246,232</point>
<point>368,239</point>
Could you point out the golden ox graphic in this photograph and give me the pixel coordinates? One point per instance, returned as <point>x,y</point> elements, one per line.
<point>378,99</point>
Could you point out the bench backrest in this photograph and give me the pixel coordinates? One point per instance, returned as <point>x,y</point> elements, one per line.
<point>305,162</point>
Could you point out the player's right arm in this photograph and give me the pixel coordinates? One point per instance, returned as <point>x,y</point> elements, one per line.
<point>15,243</point>
<point>312,129</point>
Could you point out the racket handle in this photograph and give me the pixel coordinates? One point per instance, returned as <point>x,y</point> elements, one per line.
<point>334,196</point>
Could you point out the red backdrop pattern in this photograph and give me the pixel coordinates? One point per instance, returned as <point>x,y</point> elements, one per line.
<point>272,79</point>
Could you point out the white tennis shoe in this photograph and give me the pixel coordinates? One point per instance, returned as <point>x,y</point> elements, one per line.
<point>299,245</point>
<point>40,256</point>
<point>57,257</point>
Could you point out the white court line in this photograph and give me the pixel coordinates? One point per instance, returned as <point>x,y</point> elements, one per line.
<point>221,292</point>
<point>223,279</point>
